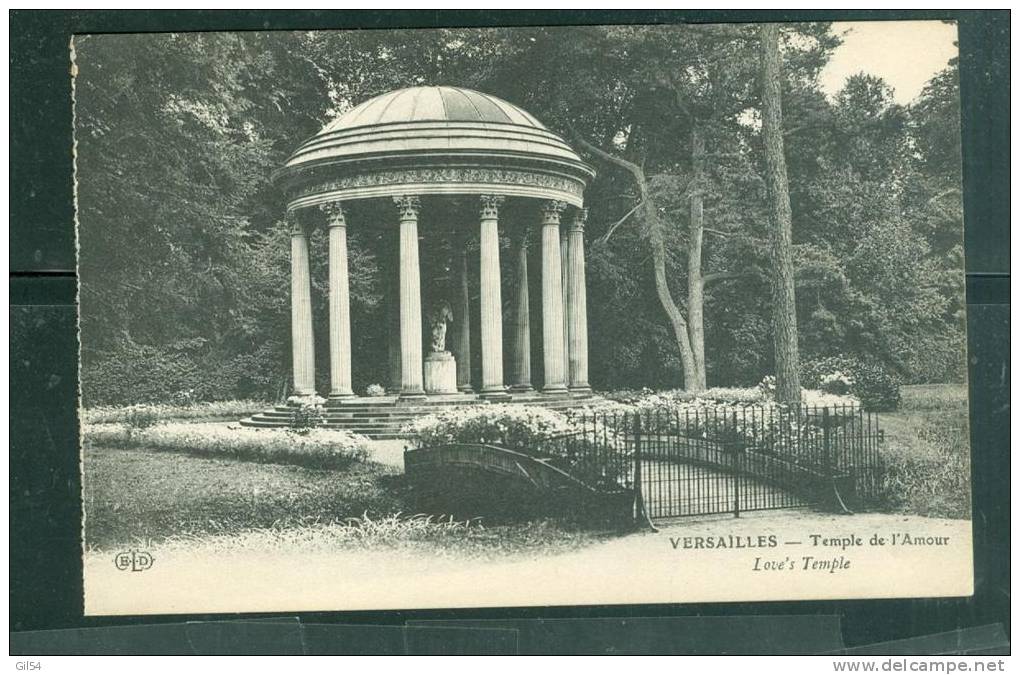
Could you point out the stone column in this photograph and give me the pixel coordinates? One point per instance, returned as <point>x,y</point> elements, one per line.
<point>522,333</point>
<point>491,298</point>
<point>578,306</point>
<point>392,269</point>
<point>552,299</point>
<point>564,271</point>
<point>410,300</point>
<point>462,345</point>
<point>302,337</point>
<point>339,305</point>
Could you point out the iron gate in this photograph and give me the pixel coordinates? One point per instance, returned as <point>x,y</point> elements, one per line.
<point>701,461</point>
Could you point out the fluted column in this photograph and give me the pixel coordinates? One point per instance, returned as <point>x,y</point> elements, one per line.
<point>392,242</point>
<point>302,337</point>
<point>462,345</point>
<point>577,306</point>
<point>491,298</point>
<point>552,299</point>
<point>522,332</point>
<point>564,271</point>
<point>339,304</point>
<point>410,300</point>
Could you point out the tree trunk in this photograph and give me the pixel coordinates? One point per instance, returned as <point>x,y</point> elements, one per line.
<point>657,242</point>
<point>676,317</point>
<point>784,309</point>
<point>695,284</point>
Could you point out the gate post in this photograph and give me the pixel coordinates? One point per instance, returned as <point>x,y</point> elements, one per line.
<point>736,469</point>
<point>639,500</point>
<point>827,442</point>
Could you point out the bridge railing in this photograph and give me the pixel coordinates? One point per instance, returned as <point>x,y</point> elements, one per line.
<point>596,454</point>
<point>800,450</point>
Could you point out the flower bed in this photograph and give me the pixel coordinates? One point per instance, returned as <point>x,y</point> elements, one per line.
<point>732,396</point>
<point>510,426</point>
<point>155,412</point>
<point>531,430</point>
<point>744,417</point>
<point>318,448</point>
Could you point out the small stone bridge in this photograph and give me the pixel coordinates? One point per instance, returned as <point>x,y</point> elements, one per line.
<point>443,475</point>
<point>676,476</point>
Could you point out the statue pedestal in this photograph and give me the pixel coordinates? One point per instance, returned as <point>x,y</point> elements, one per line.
<point>440,373</point>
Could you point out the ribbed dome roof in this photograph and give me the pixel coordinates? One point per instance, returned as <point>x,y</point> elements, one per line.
<point>434,140</point>
<point>420,104</point>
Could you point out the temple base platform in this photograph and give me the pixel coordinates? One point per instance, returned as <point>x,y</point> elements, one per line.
<point>382,417</point>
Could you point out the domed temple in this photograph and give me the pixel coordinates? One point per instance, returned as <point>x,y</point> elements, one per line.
<point>464,167</point>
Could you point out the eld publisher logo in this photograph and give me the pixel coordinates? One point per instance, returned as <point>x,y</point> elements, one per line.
<point>136,561</point>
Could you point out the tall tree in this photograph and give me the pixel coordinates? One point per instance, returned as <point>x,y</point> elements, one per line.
<point>690,85</point>
<point>784,303</point>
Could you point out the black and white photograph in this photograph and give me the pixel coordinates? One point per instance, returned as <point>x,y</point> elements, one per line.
<point>521,316</point>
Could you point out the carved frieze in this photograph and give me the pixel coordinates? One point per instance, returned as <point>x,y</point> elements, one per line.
<point>444,175</point>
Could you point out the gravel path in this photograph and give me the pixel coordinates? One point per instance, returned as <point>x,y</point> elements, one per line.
<point>390,452</point>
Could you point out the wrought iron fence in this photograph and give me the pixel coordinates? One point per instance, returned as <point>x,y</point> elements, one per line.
<point>696,461</point>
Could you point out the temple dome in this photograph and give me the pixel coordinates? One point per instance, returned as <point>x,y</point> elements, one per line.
<point>429,104</point>
<point>434,140</point>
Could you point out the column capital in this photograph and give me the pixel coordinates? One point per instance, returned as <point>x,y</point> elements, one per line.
<point>551,211</point>
<point>408,205</point>
<point>489,206</point>
<point>336,215</point>
<point>579,221</point>
<point>293,221</point>
<point>521,236</point>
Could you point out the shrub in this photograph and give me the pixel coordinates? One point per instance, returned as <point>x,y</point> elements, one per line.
<point>877,389</point>
<point>306,413</point>
<point>138,417</point>
<point>305,418</point>
<point>375,390</point>
<point>510,426</point>
<point>319,448</point>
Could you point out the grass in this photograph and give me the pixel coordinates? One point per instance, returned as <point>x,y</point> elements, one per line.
<point>134,496</point>
<point>933,397</point>
<point>927,452</point>
<point>436,536</point>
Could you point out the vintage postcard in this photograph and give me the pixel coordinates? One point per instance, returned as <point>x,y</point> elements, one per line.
<point>393,319</point>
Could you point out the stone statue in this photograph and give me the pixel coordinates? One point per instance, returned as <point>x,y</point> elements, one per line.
<point>437,321</point>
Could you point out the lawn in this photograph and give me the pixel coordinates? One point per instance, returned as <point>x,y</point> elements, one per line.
<point>927,452</point>
<point>135,494</point>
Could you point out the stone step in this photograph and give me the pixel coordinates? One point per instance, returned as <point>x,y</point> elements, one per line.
<point>383,417</point>
<point>351,415</point>
<point>387,414</point>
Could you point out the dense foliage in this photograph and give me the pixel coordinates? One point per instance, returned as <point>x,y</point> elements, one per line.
<point>875,387</point>
<point>184,259</point>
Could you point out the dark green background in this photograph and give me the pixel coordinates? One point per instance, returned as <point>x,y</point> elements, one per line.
<point>45,562</point>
